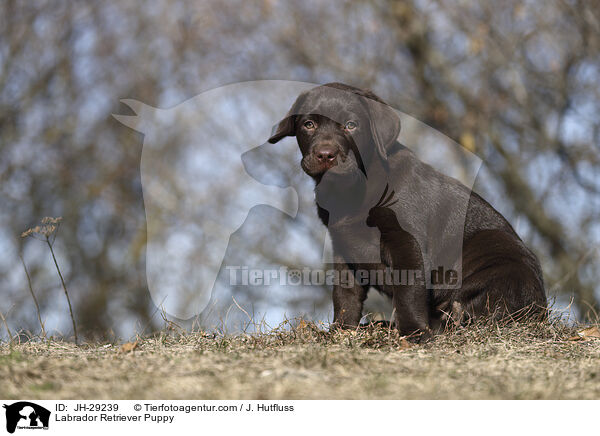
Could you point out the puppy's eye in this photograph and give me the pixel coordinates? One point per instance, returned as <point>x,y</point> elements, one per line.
<point>350,125</point>
<point>309,124</point>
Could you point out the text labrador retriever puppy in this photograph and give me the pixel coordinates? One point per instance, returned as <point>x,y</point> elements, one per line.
<point>437,249</point>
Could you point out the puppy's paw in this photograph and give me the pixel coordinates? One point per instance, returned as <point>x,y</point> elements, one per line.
<point>338,327</point>
<point>381,324</point>
<point>420,337</point>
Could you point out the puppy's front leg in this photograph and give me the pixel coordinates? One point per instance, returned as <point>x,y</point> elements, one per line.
<point>412,310</point>
<point>348,298</point>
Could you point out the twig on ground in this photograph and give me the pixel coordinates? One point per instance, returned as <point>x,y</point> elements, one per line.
<point>48,229</point>
<point>37,306</point>
<point>64,286</point>
<point>10,336</point>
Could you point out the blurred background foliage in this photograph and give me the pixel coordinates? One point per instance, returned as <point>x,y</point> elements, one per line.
<point>516,82</point>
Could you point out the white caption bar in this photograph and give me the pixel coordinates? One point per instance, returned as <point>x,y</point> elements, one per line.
<point>268,417</point>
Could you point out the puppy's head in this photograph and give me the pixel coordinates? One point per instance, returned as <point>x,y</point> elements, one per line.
<point>340,129</point>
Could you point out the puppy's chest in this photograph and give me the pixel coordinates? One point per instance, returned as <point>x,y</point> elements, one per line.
<point>356,242</point>
<point>399,249</point>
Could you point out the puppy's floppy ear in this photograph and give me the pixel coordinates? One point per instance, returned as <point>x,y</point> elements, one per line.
<point>385,125</point>
<point>287,126</point>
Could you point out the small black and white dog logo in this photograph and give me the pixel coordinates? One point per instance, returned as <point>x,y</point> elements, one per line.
<point>26,415</point>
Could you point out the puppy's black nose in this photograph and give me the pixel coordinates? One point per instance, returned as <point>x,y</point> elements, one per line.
<point>326,153</point>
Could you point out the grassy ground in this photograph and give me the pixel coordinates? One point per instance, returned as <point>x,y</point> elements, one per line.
<point>520,361</point>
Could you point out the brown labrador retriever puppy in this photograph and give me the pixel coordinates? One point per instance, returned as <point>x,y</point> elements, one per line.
<point>387,212</point>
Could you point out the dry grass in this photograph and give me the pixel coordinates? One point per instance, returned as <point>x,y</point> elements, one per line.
<point>484,361</point>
